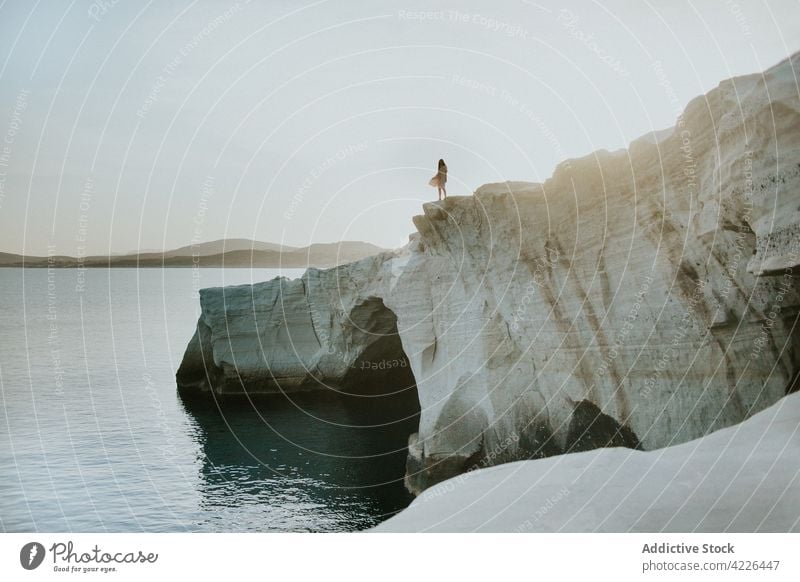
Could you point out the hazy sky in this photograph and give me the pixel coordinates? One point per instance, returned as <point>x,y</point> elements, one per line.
<point>135,124</point>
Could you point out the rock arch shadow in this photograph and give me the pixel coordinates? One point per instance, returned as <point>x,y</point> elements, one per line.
<point>382,368</point>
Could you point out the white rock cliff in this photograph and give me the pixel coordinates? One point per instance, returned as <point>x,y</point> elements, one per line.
<point>640,298</point>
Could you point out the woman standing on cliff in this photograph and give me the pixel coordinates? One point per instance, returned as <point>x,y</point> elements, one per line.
<point>440,179</point>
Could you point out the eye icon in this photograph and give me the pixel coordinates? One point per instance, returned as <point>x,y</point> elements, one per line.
<point>31,555</point>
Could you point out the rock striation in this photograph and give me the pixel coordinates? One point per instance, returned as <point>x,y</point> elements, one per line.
<point>639,298</point>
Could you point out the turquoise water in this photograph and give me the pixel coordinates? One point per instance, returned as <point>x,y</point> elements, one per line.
<point>94,438</point>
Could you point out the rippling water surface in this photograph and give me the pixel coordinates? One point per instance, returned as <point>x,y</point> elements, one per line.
<point>94,438</point>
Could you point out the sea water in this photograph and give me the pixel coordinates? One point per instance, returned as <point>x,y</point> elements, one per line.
<point>93,436</point>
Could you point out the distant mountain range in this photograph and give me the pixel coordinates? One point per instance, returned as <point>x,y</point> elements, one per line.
<point>219,253</point>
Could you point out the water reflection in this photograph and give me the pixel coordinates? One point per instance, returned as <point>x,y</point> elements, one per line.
<point>308,462</point>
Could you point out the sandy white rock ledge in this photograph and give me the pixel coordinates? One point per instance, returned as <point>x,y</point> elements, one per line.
<point>745,478</point>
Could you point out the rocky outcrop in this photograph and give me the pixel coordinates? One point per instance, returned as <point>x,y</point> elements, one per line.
<point>329,328</point>
<point>639,298</point>
<point>739,479</point>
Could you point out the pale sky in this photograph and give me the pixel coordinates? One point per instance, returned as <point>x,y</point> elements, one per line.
<point>146,125</point>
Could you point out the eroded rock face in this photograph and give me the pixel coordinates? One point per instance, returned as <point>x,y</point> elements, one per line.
<point>640,298</point>
<point>321,330</point>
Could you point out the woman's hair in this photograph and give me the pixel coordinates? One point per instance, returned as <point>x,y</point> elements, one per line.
<point>441,163</point>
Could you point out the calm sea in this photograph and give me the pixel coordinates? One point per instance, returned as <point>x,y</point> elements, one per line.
<point>93,436</point>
